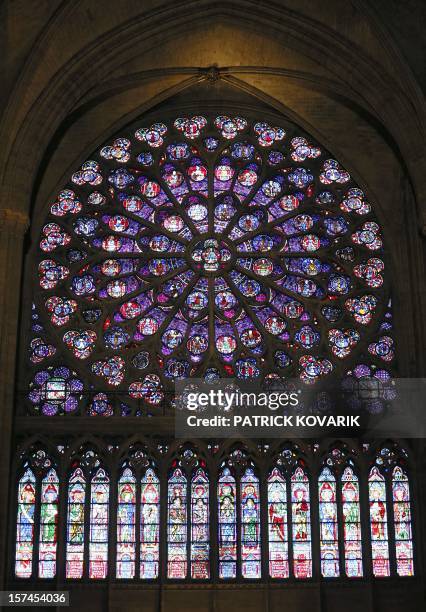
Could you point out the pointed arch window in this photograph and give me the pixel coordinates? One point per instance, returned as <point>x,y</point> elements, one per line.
<point>99,518</point>
<point>127,262</point>
<point>352,542</point>
<point>301,524</point>
<point>200,536</point>
<point>227,516</point>
<point>177,525</point>
<point>329,540</point>
<point>402,522</point>
<point>75,524</point>
<point>277,525</point>
<point>25,524</point>
<point>126,525</point>
<point>48,537</point>
<point>148,531</point>
<point>250,525</point>
<point>150,526</point>
<point>378,522</point>
<point>189,499</point>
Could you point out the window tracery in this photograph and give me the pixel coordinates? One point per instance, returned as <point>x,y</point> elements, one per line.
<point>302,539</point>
<point>207,247</point>
<point>211,247</point>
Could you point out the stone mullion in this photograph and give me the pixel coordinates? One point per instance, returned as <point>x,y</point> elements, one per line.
<point>290,555</point>
<point>188,474</point>
<point>37,526</point>
<point>239,564</point>
<point>364,501</point>
<point>213,524</point>
<point>138,531</point>
<point>391,525</point>
<point>263,524</point>
<point>88,474</point>
<point>340,523</point>
<point>164,513</point>
<point>63,475</point>
<point>315,524</point>
<point>112,524</point>
<point>13,225</point>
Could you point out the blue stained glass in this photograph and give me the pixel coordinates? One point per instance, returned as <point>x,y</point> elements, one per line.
<point>227,516</point>
<point>75,524</point>
<point>329,544</point>
<point>250,525</point>
<point>220,224</point>
<point>99,518</point>
<point>25,525</point>
<point>200,537</point>
<point>177,526</point>
<point>277,525</point>
<point>150,525</point>
<point>126,525</point>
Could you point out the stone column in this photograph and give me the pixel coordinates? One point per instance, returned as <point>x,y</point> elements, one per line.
<point>13,225</point>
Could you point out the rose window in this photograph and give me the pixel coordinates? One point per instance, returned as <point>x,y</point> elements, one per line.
<point>210,247</point>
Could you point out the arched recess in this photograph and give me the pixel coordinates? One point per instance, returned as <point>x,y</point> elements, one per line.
<point>235,101</point>
<point>76,117</point>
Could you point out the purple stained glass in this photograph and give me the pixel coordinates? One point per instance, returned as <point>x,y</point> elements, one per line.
<point>209,242</point>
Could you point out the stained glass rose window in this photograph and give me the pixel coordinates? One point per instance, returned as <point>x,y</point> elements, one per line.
<point>207,247</point>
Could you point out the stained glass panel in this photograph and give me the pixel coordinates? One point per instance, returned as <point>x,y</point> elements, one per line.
<point>99,514</point>
<point>177,527</point>
<point>378,523</point>
<point>277,525</point>
<point>200,536</point>
<point>150,525</point>
<point>250,525</point>
<point>351,524</point>
<point>75,524</point>
<point>25,525</point>
<point>402,522</point>
<point>329,538</point>
<point>126,525</point>
<point>208,242</point>
<point>301,524</point>
<point>227,515</point>
<point>48,525</point>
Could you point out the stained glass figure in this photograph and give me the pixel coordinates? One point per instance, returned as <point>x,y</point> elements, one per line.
<point>150,525</point>
<point>250,525</point>
<point>99,515</point>
<point>402,522</point>
<point>378,522</point>
<point>227,517</point>
<point>301,524</point>
<point>177,525</point>
<point>200,537</point>
<point>25,525</point>
<point>329,539</point>
<point>49,500</point>
<point>126,525</point>
<point>75,524</point>
<point>277,525</point>
<point>351,524</point>
<point>201,244</point>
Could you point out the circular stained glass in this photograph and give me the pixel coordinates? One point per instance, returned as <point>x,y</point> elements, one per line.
<point>212,246</point>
